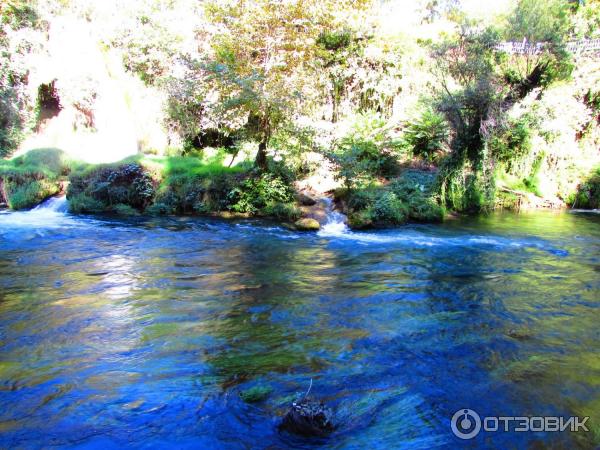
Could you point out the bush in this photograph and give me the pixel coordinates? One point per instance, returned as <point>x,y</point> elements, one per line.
<point>588,193</point>
<point>389,209</point>
<point>257,193</point>
<point>126,184</point>
<point>366,151</point>
<point>410,196</point>
<point>427,134</point>
<point>82,203</point>
<point>513,142</point>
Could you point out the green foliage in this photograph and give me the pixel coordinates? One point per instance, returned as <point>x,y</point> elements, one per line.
<point>512,142</point>
<point>125,184</point>
<point>29,194</point>
<point>283,211</point>
<point>588,192</point>
<point>427,134</point>
<point>366,151</point>
<point>32,177</point>
<point>14,100</point>
<point>82,203</point>
<point>124,210</point>
<point>389,209</point>
<point>410,196</point>
<point>417,190</point>
<point>255,394</point>
<point>260,192</point>
<point>539,21</point>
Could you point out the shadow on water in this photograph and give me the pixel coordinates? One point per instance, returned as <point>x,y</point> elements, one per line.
<point>121,333</point>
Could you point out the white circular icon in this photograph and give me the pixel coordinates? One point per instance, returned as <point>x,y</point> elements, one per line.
<point>466,424</point>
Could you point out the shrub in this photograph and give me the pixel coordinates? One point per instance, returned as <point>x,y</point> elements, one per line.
<point>513,142</point>
<point>389,209</point>
<point>256,193</point>
<point>588,193</point>
<point>366,151</point>
<point>82,203</point>
<point>127,184</point>
<point>427,134</point>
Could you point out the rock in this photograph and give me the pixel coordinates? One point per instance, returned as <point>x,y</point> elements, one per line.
<point>520,335</point>
<point>307,224</point>
<point>308,418</point>
<point>306,200</point>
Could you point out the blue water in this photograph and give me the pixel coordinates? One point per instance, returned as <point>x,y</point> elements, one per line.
<point>142,333</point>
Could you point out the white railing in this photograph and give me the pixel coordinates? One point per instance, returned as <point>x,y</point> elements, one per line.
<point>534,48</point>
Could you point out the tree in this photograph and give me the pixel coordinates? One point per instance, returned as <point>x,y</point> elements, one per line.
<point>261,65</point>
<point>17,22</point>
<point>543,22</point>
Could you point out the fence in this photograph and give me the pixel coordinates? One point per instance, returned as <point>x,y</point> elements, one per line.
<point>527,48</point>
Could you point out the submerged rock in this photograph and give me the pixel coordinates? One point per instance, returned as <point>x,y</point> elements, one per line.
<point>307,225</point>
<point>255,394</point>
<point>308,418</point>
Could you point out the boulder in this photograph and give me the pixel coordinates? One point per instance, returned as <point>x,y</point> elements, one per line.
<point>307,224</point>
<point>306,200</point>
<point>308,418</point>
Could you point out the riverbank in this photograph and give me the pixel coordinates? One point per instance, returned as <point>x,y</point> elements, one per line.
<point>195,186</point>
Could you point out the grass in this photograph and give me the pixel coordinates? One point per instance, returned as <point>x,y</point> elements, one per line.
<point>29,179</point>
<point>171,184</point>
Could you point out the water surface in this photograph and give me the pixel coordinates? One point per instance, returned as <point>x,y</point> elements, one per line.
<point>142,333</point>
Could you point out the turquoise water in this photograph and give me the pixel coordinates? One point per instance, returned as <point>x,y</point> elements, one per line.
<point>143,333</point>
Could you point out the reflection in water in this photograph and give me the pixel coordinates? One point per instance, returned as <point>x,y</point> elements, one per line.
<point>117,334</point>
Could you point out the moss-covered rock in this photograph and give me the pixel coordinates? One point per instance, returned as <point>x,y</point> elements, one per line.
<point>255,394</point>
<point>307,224</point>
<point>29,179</point>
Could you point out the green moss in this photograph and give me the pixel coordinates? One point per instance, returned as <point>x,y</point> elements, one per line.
<point>283,211</point>
<point>256,394</point>
<point>29,194</point>
<point>307,225</point>
<point>82,203</point>
<point>360,220</point>
<point>124,210</point>
<point>31,178</point>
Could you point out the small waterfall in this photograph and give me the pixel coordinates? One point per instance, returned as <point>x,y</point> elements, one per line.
<point>335,224</point>
<point>53,204</point>
<point>49,214</point>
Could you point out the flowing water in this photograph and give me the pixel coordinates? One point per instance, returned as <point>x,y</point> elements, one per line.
<point>143,332</point>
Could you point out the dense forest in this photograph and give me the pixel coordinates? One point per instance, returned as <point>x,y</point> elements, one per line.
<point>400,110</point>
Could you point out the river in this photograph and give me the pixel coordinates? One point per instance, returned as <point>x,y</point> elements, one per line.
<point>143,332</point>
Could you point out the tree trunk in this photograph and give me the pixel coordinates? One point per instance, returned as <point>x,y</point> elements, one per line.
<point>261,156</point>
